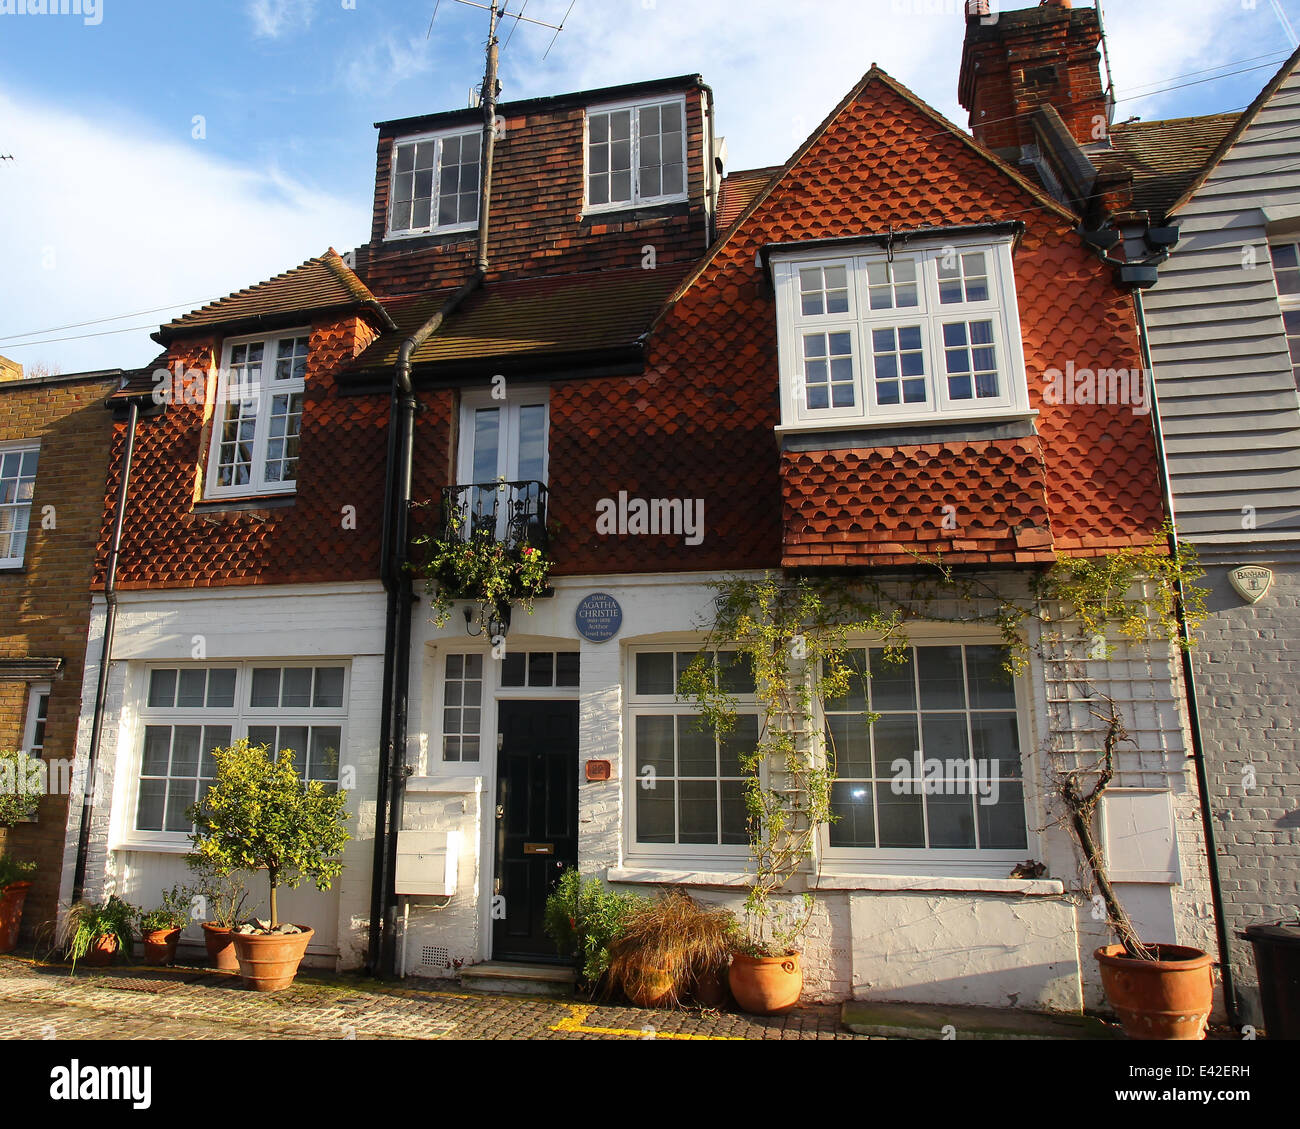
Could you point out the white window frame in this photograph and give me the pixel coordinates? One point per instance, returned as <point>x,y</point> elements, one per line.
<point>1001,309</point>
<point>942,862</point>
<point>433,227</point>
<point>475,401</point>
<point>668,856</point>
<point>1288,303</point>
<point>239,718</point>
<point>266,391</point>
<point>35,692</point>
<point>21,447</point>
<point>637,200</point>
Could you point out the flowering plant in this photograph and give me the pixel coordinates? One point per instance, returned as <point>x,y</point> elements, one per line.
<point>480,567</point>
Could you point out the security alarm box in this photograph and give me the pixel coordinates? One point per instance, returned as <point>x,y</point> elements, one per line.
<point>426,863</point>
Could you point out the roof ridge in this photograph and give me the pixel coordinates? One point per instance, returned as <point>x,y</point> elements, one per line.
<point>1246,120</point>
<point>873,74</point>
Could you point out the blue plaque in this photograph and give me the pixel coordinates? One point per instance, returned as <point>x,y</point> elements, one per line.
<point>599,618</point>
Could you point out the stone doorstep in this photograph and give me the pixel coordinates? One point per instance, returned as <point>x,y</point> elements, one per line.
<point>927,1021</point>
<point>519,979</point>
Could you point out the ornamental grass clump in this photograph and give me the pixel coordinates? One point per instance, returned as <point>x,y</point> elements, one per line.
<point>670,946</point>
<point>259,814</point>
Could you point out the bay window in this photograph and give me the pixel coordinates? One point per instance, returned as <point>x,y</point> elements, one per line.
<point>919,335</point>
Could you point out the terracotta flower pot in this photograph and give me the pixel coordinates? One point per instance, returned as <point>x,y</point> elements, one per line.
<point>12,898</point>
<point>649,987</point>
<point>766,985</point>
<point>269,963</point>
<point>220,944</point>
<point>160,946</point>
<point>101,953</point>
<point>1167,998</point>
<point>710,990</point>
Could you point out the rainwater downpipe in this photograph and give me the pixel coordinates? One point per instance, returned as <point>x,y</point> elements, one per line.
<point>1189,680</point>
<point>101,686</point>
<point>382,958</point>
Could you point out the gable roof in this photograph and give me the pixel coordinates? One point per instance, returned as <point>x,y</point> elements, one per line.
<point>511,324</point>
<point>1163,157</point>
<point>1246,120</point>
<point>325,282</point>
<point>875,74</point>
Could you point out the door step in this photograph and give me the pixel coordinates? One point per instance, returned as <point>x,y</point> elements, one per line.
<point>519,979</point>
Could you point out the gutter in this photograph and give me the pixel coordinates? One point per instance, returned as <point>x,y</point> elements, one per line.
<point>1189,681</point>
<point>101,686</point>
<point>393,769</point>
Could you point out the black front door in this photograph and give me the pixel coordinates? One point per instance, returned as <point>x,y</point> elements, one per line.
<point>537,822</point>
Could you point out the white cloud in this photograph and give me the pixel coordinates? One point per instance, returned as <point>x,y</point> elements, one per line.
<point>779,68</point>
<point>273,18</point>
<point>379,67</point>
<point>102,216</point>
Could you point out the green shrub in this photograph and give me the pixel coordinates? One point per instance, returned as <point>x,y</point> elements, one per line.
<point>259,814</point>
<point>11,871</point>
<point>174,913</point>
<point>89,921</point>
<point>584,919</point>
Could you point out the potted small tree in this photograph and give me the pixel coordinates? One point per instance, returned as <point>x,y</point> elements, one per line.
<point>221,897</point>
<point>259,814</point>
<point>1158,991</point>
<point>19,801</point>
<point>95,932</point>
<point>15,881</point>
<point>160,929</point>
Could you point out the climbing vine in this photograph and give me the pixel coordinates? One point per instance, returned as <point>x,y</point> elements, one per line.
<point>794,633</point>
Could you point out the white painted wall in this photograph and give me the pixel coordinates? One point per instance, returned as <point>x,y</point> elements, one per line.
<point>983,940</point>
<point>286,623</point>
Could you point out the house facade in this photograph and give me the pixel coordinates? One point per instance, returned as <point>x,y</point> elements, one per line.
<point>54,437</point>
<point>1208,208</point>
<point>835,368</point>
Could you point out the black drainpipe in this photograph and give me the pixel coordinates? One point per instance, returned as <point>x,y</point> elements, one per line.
<point>101,688</point>
<point>397,581</point>
<point>1189,679</point>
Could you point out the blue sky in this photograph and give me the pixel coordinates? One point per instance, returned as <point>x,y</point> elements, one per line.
<point>113,206</point>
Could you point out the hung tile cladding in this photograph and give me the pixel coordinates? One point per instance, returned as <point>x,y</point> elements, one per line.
<point>699,421</point>
<point>666,383</point>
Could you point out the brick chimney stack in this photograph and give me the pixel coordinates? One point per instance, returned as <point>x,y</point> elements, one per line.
<point>10,370</point>
<point>1014,62</point>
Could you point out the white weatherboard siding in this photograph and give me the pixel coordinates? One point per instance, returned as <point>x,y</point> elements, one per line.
<point>1228,398</point>
<point>341,624</point>
<point>974,939</point>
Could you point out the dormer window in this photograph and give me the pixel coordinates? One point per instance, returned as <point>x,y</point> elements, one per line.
<point>435,183</point>
<point>927,334</point>
<point>636,155</point>
<point>258,417</point>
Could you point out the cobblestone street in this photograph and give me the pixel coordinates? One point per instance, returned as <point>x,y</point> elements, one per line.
<point>40,1001</point>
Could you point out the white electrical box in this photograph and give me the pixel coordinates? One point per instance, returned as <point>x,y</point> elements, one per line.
<point>426,863</point>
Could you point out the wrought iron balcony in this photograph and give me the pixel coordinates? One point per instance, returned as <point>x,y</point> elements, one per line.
<point>513,512</point>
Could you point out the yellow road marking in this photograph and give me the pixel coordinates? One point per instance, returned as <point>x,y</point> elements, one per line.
<point>577,1022</point>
